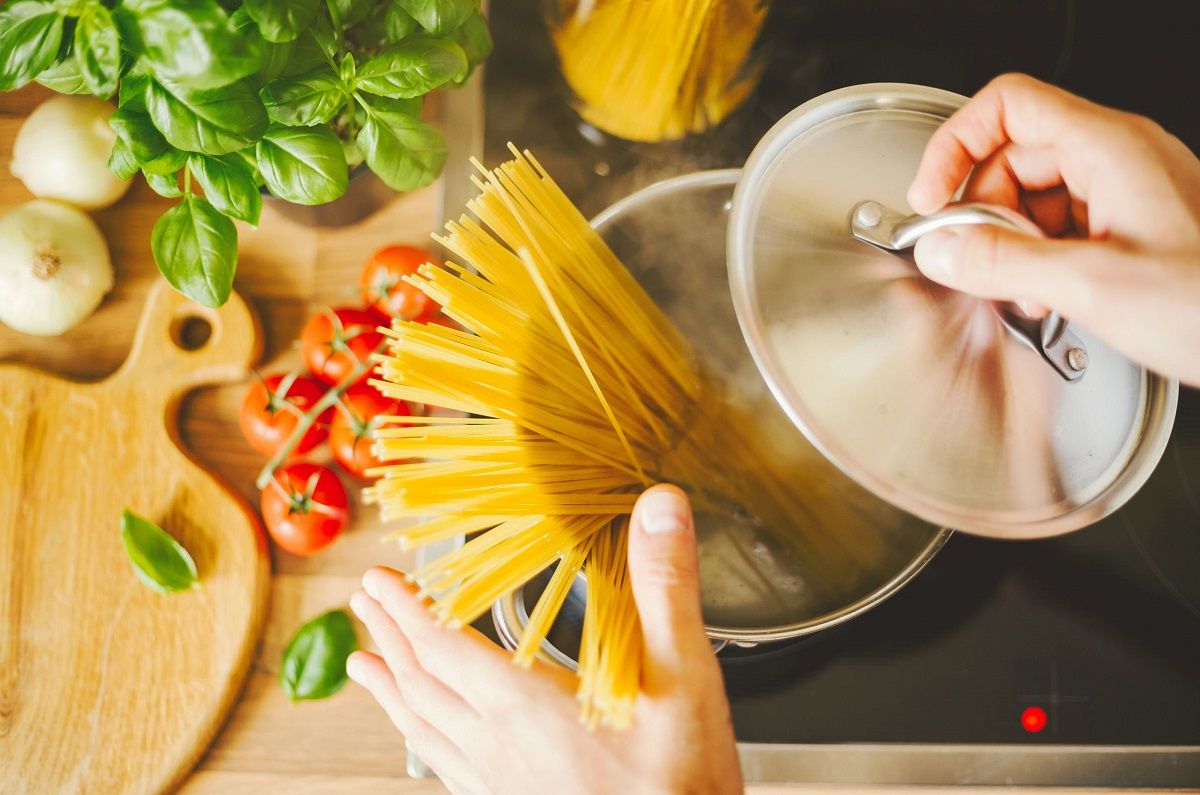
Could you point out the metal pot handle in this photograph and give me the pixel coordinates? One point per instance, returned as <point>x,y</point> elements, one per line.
<point>881,226</point>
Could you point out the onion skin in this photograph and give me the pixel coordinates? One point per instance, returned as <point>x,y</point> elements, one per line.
<point>54,267</point>
<point>61,152</point>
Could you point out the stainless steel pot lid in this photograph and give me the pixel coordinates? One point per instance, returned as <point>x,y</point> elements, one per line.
<point>760,582</point>
<point>958,410</point>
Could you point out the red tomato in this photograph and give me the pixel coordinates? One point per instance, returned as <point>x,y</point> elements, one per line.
<point>383,286</point>
<point>333,343</point>
<point>354,420</point>
<point>304,508</point>
<point>272,409</point>
<point>441,320</point>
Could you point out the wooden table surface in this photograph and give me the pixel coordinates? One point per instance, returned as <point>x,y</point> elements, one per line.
<point>344,744</point>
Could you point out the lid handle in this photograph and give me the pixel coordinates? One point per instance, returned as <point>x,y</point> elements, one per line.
<point>882,226</point>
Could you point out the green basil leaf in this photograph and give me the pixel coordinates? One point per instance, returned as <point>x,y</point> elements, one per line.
<point>168,162</point>
<point>282,20</point>
<point>194,44</point>
<point>439,16</point>
<point>98,50</point>
<point>158,559</point>
<point>347,70</point>
<point>30,36</point>
<point>228,183</point>
<point>139,133</point>
<point>165,185</point>
<point>302,165</point>
<point>412,68</point>
<point>398,24</point>
<point>324,35</point>
<point>274,56</point>
<point>195,248</point>
<point>249,156</point>
<point>121,161</point>
<point>65,78</point>
<point>314,662</point>
<point>131,93</point>
<point>214,121</point>
<point>349,12</point>
<point>404,151</point>
<point>304,100</point>
<point>410,106</point>
<point>387,25</point>
<point>476,41</point>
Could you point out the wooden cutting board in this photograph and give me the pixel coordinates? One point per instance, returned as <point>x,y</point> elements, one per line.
<point>106,685</point>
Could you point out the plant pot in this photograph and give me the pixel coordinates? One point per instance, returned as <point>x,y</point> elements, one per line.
<point>365,194</point>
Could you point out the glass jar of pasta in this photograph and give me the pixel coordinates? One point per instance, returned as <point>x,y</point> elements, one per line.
<point>657,70</point>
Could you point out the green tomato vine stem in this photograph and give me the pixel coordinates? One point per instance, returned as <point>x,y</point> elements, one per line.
<point>332,396</point>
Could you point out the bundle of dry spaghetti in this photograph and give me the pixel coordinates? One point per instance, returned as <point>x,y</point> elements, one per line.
<point>653,70</point>
<point>578,393</point>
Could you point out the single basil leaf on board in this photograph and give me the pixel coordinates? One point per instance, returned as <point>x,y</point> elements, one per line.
<point>194,44</point>
<point>412,68</point>
<point>228,183</point>
<point>350,12</point>
<point>168,162</point>
<point>165,185</point>
<point>30,36</point>
<point>98,50</point>
<point>65,78</point>
<point>314,662</point>
<point>302,165</point>
<point>303,100</point>
<point>139,133</point>
<point>476,41</point>
<point>214,121</point>
<point>159,560</point>
<point>439,16</point>
<point>121,161</point>
<point>405,152</point>
<point>195,248</point>
<point>282,20</point>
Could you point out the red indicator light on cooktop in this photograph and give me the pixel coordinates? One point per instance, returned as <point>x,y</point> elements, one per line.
<point>1033,719</point>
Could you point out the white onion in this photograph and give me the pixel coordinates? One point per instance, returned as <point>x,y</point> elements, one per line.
<point>54,267</point>
<point>61,152</point>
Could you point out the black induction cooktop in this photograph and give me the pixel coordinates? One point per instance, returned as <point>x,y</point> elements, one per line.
<point>1087,644</point>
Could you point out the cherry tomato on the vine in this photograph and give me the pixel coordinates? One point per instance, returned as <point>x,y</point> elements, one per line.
<point>354,420</point>
<point>304,508</point>
<point>335,342</point>
<point>384,288</point>
<point>272,408</point>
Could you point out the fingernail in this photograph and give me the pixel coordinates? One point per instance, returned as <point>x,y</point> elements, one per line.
<point>916,197</point>
<point>369,584</point>
<point>354,668</point>
<point>662,511</point>
<point>356,603</point>
<point>936,253</point>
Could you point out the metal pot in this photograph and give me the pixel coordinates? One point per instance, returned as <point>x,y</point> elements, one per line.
<point>758,584</point>
<point>962,411</point>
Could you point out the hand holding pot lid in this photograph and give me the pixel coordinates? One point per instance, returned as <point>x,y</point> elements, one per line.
<point>964,411</point>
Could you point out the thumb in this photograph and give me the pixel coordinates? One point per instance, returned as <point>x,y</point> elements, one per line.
<point>1004,265</point>
<point>665,577</point>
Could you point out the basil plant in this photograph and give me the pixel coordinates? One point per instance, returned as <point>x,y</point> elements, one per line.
<point>217,101</point>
